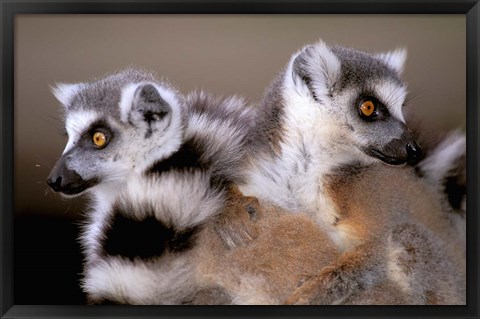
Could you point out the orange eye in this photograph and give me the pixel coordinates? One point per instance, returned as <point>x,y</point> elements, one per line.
<point>367,108</point>
<point>99,139</point>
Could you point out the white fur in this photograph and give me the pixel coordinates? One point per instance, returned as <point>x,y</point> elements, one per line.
<point>165,281</point>
<point>315,139</point>
<point>103,198</point>
<point>394,59</point>
<point>411,279</point>
<point>393,96</point>
<point>178,199</point>
<point>76,123</point>
<point>64,92</point>
<point>127,95</point>
<point>394,271</point>
<point>291,180</point>
<point>233,102</point>
<point>126,100</point>
<point>323,64</point>
<point>444,155</point>
<point>164,143</point>
<point>437,165</point>
<point>219,134</point>
<point>181,200</point>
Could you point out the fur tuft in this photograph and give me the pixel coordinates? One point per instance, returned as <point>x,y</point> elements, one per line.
<point>394,59</point>
<point>65,92</point>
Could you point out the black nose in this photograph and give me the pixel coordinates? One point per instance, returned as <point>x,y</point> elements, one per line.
<point>55,183</point>
<point>414,153</point>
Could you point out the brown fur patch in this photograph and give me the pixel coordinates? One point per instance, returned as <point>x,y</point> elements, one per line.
<point>236,225</point>
<point>338,183</point>
<point>267,267</point>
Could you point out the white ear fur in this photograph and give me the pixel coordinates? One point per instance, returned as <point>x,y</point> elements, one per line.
<point>319,63</point>
<point>168,135</point>
<point>128,95</point>
<point>64,92</point>
<point>126,100</point>
<point>394,59</point>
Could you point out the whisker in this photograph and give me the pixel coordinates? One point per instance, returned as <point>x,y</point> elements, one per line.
<point>58,123</point>
<point>409,102</point>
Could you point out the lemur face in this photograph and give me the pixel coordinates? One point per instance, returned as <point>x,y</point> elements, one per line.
<point>106,144</point>
<point>360,97</point>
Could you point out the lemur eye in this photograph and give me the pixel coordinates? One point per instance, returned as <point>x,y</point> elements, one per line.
<point>367,108</point>
<point>99,139</point>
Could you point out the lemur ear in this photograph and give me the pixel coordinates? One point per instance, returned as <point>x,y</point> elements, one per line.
<point>317,67</point>
<point>394,59</point>
<point>142,104</point>
<point>148,102</point>
<point>64,92</point>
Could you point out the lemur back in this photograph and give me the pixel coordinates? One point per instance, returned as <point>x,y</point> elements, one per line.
<point>405,237</point>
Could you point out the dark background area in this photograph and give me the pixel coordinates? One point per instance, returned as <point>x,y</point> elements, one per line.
<point>48,262</point>
<point>223,54</point>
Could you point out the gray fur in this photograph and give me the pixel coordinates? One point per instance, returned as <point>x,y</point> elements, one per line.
<point>267,133</point>
<point>445,167</point>
<point>223,133</point>
<point>107,105</point>
<point>216,132</point>
<point>311,111</point>
<point>359,68</point>
<point>405,265</point>
<point>321,132</point>
<point>152,181</point>
<point>103,95</point>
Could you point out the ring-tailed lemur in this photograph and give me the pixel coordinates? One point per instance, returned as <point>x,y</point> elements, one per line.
<point>160,170</point>
<point>161,226</point>
<point>332,115</point>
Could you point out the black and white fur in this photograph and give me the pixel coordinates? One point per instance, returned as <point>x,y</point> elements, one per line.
<point>445,168</point>
<point>101,105</point>
<point>309,128</point>
<point>309,125</point>
<point>161,176</point>
<point>169,176</point>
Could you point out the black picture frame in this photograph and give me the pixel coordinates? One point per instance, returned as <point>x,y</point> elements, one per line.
<point>10,8</point>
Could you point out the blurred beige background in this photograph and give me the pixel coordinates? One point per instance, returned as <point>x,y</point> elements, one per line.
<point>224,54</point>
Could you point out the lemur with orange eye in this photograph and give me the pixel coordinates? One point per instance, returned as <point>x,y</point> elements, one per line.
<point>167,225</point>
<point>331,141</point>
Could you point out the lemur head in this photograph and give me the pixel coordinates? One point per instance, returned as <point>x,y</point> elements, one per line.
<point>358,95</point>
<point>116,126</point>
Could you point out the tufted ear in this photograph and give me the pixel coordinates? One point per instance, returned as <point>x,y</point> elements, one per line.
<point>317,67</point>
<point>148,104</point>
<point>394,59</point>
<point>145,106</point>
<point>64,92</point>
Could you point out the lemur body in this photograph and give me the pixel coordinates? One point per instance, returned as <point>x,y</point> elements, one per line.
<point>324,125</point>
<point>417,259</point>
<point>166,226</point>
